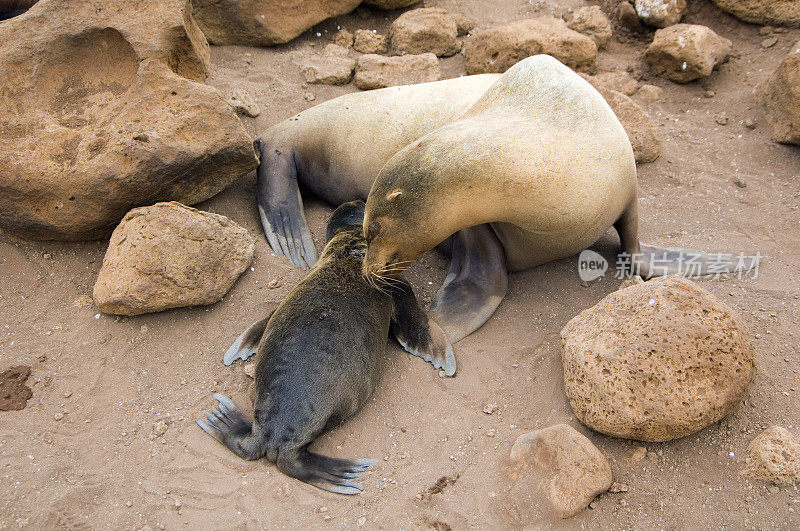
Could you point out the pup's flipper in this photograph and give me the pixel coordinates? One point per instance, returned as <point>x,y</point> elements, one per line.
<point>327,473</point>
<point>417,332</point>
<point>246,344</point>
<point>230,427</point>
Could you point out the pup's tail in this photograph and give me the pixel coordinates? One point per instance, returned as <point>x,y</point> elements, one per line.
<point>654,261</point>
<point>327,473</point>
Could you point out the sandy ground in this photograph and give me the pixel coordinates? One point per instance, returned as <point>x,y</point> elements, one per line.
<point>109,440</point>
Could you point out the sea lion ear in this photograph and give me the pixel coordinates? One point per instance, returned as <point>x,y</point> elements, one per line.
<point>394,194</point>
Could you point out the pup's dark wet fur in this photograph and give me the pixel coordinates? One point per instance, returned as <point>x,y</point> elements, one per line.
<point>318,360</point>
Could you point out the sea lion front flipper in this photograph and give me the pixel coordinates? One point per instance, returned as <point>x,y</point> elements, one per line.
<point>476,282</point>
<point>247,343</point>
<point>280,206</point>
<point>417,333</point>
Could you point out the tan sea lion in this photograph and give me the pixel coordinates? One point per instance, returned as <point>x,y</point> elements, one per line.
<point>337,148</point>
<point>539,165</point>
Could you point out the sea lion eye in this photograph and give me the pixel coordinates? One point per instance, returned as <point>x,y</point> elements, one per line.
<point>373,230</point>
<point>394,194</point>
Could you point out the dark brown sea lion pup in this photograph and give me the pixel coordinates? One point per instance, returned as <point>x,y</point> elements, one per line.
<point>540,163</point>
<point>318,360</point>
<point>336,149</point>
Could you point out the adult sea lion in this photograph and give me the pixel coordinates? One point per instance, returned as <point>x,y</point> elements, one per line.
<point>318,360</point>
<point>337,148</point>
<point>539,163</point>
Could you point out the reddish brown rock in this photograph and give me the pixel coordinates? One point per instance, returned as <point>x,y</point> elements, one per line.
<point>367,41</point>
<point>656,361</point>
<point>780,97</point>
<point>342,38</point>
<point>332,67</point>
<point>425,30</point>
<point>774,456</point>
<point>377,71</point>
<point>592,22</point>
<point>619,81</point>
<point>774,12</point>
<point>642,131</point>
<point>498,49</point>
<point>14,394</point>
<point>97,117</point>
<point>168,256</point>
<point>559,468</point>
<point>660,13</point>
<point>685,52</point>
<point>264,22</point>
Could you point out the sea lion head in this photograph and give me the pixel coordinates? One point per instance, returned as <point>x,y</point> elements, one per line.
<point>347,216</point>
<point>393,239</point>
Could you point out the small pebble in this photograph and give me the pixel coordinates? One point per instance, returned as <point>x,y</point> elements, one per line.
<point>769,43</point>
<point>617,487</point>
<point>722,118</point>
<point>709,94</point>
<point>766,30</point>
<point>750,123</point>
<point>774,490</point>
<point>309,96</point>
<point>58,416</point>
<point>741,183</point>
<point>490,408</point>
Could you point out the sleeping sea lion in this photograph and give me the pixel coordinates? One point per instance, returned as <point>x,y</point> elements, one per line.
<point>337,148</point>
<point>318,356</point>
<point>540,165</point>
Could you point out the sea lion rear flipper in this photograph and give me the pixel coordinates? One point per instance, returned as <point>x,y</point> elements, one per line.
<point>417,333</point>
<point>280,206</point>
<point>327,473</point>
<point>247,343</point>
<point>476,282</point>
<point>230,427</point>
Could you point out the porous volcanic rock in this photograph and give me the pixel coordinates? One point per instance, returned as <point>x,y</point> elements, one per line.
<point>780,97</point>
<point>656,361</point>
<point>169,255</point>
<point>332,67</point>
<point>616,80</point>
<point>376,71</point>
<point>342,38</point>
<point>425,30</point>
<point>685,52</point>
<point>559,466</point>
<point>367,41</point>
<point>660,13</point>
<point>642,131</point>
<point>773,12</point>
<point>592,22</point>
<point>97,117</point>
<point>774,456</point>
<point>498,49</point>
<point>263,22</point>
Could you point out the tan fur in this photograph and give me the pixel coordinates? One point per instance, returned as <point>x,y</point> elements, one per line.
<point>541,156</point>
<point>346,141</point>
